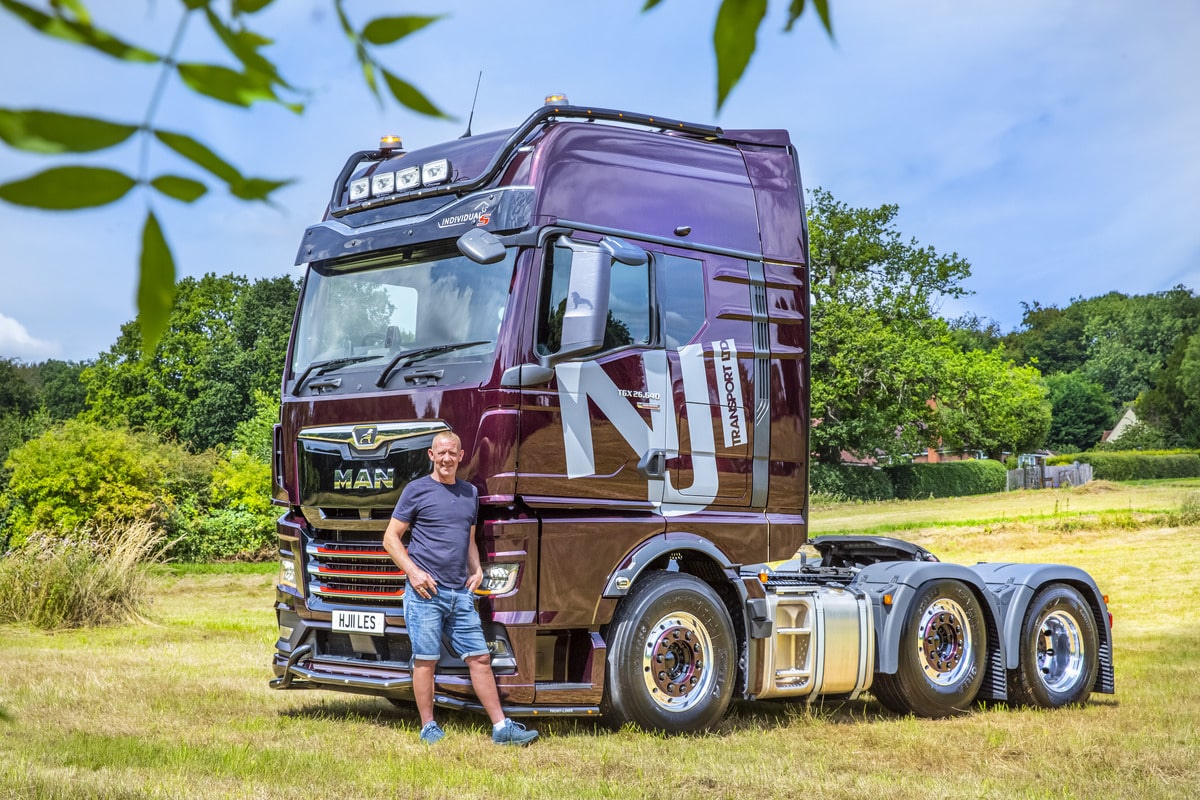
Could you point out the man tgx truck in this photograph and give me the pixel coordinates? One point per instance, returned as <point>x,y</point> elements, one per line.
<point>611,310</point>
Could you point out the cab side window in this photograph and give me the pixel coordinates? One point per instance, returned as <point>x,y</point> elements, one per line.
<point>628,304</point>
<point>680,284</point>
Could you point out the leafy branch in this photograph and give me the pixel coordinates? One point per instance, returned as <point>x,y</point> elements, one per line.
<point>70,187</point>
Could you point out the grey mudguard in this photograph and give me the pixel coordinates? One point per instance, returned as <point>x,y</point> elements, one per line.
<point>1014,586</point>
<point>903,581</point>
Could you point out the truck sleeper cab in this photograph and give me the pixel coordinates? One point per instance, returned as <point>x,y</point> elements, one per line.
<point>610,310</point>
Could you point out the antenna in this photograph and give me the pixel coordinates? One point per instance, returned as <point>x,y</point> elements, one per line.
<point>471,118</point>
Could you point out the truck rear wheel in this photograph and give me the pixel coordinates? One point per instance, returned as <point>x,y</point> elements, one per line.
<point>671,656</point>
<point>943,645</point>
<point>1058,650</point>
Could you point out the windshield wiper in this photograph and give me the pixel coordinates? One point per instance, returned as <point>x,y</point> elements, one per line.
<point>322,367</point>
<point>411,356</point>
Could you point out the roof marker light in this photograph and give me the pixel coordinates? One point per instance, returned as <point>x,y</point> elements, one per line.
<point>559,99</point>
<point>390,143</point>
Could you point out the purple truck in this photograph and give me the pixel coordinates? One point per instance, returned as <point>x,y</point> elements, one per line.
<point>611,310</point>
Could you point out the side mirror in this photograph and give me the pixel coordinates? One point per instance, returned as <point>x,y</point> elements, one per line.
<point>585,317</point>
<point>481,246</point>
<point>624,252</point>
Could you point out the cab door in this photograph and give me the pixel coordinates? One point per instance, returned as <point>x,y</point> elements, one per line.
<point>595,434</point>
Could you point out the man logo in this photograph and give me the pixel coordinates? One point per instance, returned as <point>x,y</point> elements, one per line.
<point>364,479</point>
<point>364,436</point>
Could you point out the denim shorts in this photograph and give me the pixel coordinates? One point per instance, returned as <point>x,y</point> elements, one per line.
<point>450,613</point>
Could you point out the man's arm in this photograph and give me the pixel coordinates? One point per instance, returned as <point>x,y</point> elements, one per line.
<point>419,580</point>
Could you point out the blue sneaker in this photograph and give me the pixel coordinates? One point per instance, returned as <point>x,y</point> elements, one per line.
<point>432,733</point>
<point>513,733</point>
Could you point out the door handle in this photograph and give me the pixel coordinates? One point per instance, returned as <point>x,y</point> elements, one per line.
<point>653,464</point>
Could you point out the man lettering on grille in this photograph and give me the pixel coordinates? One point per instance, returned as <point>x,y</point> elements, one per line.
<point>443,570</point>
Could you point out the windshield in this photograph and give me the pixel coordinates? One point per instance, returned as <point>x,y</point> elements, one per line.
<point>445,306</point>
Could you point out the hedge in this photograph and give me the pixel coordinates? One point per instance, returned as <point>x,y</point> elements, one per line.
<point>908,481</point>
<point>947,479</point>
<point>1132,465</point>
<point>850,482</point>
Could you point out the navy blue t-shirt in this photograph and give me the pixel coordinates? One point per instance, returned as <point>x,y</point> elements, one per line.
<point>440,517</point>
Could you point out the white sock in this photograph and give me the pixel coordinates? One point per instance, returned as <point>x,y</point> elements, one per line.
<point>500,724</point>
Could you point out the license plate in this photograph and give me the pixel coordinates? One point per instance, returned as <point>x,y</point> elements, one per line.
<point>369,622</point>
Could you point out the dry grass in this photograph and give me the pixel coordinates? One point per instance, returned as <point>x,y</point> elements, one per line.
<point>96,577</point>
<point>181,708</point>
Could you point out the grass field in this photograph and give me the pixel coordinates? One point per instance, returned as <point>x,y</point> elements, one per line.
<point>180,707</point>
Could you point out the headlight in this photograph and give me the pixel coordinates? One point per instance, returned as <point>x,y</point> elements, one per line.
<point>499,579</point>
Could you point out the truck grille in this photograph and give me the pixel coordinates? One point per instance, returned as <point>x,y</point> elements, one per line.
<point>352,567</point>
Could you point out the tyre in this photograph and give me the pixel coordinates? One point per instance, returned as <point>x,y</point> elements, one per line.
<point>942,652</point>
<point>672,656</point>
<point>1059,650</point>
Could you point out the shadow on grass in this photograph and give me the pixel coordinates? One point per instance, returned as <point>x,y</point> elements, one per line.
<point>742,717</point>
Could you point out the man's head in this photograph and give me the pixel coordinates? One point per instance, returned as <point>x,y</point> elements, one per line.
<point>446,453</point>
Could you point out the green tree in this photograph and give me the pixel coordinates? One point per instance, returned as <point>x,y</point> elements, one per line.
<point>876,343</point>
<point>61,393</point>
<point>1172,405</point>
<point>1129,339</point>
<point>1050,338</point>
<point>1081,410</point>
<point>17,395</point>
<point>985,402</point>
<point>198,382</point>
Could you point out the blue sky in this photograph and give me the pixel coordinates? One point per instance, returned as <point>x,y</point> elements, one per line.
<point>1054,145</point>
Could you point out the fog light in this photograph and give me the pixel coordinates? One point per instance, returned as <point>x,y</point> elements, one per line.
<point>287,572</point>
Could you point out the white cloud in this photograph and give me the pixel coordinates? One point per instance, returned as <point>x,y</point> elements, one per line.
<point>15,342</point>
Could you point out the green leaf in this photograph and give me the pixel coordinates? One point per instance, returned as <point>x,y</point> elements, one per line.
<point>734,40</point>
<point>386,30</point>
<point>200,155</point>
<point>797,8</point>
<point>229,86</point>
<point>249,6</point>
<point>256,188</point>
<point>50,132</point>
<point>408,95</point>
<point>245,44</point>
<point>76,7</point>
<point>79,32</point>
<point>68,188</point>
<point>649,5</point>
<point>179,188</point>
<point>156,285</point>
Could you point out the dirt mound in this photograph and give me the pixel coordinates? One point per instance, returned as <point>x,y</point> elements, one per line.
<point>1096,487</point>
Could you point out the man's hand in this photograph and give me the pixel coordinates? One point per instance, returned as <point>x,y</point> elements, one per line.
<point>474,579</point>
<point>421,582</point>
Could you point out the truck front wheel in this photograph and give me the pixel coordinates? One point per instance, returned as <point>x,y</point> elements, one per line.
<point>671,655</point>
<point>943,645</point>
<point>1059,650</point>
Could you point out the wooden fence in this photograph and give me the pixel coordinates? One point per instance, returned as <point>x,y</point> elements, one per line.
<point>1043,477</point>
